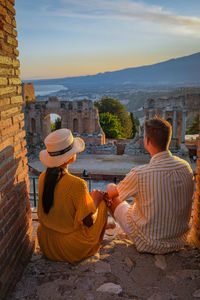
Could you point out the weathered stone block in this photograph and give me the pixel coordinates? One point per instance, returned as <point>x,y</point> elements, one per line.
<point>8,19</point>
<point>19,90</point>
<point>4,102</point>
<point>16,52</point>
<point>16,63</point>
<point>12,41</point>
<point>17,72</point>
<point>19,136</point>
<point>6,47</point>
<point>3,11</point>
<point>11,129</point>
<point>7,71</point>
<point>1,34</point>
<point>3,81</point>
<point>18,118</point>
<point>16,99</point>
<point>11,111</point>
<point>10,7</point>
<point>5,60</point>
<point>3,2</point>
<point>8,28</point>
<point>6,143</point>
<point>7,90</point>
<point>12,1</point>
<point>14,32</point>
<point>14,23</point>
<point>14,81</point>
<point>5,123</point>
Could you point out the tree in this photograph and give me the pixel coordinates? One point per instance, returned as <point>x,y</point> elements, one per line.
<point>114,107</point>
<point>52,126</point>
<point>135,125</point>
<point>56,125</point>
<point>194,127</point>
<point>111,125</point>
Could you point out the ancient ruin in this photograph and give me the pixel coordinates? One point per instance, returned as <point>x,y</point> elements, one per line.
<point>174,110</point>
<point>79,116</point>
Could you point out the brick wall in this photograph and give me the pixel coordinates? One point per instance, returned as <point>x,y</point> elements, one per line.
<point>195,233</point>
<point>15,217</point>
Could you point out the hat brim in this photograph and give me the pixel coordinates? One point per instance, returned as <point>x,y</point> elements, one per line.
<point>56,161</point>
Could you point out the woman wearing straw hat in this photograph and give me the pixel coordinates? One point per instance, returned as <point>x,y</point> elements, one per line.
<point>72,221</point>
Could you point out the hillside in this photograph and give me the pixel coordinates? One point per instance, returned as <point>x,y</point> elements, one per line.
<point>173,72</point>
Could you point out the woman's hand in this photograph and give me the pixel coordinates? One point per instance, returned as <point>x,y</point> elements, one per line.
<point>97,196</point>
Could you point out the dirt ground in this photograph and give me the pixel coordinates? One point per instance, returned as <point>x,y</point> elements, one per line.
<point>117,272</point>
<point>103,164</point>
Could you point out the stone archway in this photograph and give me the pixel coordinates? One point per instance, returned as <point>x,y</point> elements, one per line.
<point>174,109</point>
<point>33,125</point>
<point>75,125</point>
<point>81,117</point>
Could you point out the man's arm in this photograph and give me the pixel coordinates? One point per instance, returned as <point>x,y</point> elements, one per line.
<point>112,190</point>
<point>126,188</point>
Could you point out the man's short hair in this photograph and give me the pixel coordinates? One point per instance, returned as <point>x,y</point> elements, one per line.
<point>159,132</point>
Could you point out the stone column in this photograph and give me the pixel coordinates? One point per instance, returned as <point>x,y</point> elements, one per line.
<point>140,130</point>
<point>183,147</point>
<point>183,125</point>
<point>174,122</point>
<point>150,113</point>
<point>164,114</point>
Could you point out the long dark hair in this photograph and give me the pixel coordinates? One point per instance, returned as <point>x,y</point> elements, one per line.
<point>52,176</point>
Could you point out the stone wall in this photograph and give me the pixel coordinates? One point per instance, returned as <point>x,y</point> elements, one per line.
<point>81,117</point>
<point>15,215</point>
<point>174,109</point>
<point>28,92</point>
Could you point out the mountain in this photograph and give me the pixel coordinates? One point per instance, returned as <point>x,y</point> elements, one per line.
<point>174,72</point>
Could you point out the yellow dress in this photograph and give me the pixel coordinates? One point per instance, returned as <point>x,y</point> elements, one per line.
<point>62,236</point>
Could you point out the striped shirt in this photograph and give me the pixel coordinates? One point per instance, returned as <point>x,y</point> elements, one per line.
<point>159,217</point>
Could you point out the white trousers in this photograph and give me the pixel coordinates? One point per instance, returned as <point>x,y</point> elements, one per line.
<point>120,215</point>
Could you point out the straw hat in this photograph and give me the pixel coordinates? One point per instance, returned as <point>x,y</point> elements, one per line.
<point>60,147</point>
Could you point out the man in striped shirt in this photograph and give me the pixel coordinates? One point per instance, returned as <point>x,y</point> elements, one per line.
<point>157,221</point>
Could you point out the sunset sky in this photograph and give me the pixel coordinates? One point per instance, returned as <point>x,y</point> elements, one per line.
<point>63,38</point>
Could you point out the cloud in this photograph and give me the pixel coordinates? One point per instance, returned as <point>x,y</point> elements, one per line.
<point>126,10</point>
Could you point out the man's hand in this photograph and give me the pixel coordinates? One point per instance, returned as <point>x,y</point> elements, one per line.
<point>111,203</point>
<point>115,202</point>
<point>107,200</point>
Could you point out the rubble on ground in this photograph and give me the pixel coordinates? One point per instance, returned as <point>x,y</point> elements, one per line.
<point>118,271</point>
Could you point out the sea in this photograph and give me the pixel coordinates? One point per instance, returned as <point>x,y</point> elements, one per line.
<point>42,90</point>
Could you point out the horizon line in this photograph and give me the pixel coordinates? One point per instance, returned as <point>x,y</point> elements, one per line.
<point>65,77</point>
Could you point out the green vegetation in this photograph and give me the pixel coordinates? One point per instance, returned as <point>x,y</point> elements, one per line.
<point>194,127</point>
<point>111,125</point>
<point>56,125</point>
<point>115,120</point>
<point>135,125</point>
